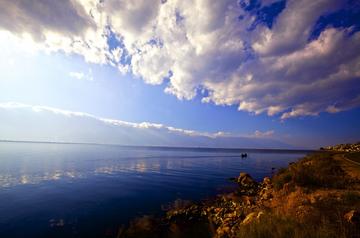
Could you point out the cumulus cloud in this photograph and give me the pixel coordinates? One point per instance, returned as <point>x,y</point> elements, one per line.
<point>293,26</point>
<point>37,17</point>
<point>69,26</point>
<point>227,52</point>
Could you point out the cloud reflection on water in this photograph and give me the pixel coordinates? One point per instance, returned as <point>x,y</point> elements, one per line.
<point>27,177</point>
<point>10,180</point>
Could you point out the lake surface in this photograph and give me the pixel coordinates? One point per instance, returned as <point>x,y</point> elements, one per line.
<point>74,190</point>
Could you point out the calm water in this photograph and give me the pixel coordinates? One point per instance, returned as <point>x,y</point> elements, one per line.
<point>69,190</point>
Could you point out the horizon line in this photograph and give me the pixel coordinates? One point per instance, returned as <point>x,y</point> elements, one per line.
<point>230,149</point>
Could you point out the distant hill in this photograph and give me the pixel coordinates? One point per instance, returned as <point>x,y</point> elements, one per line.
<point>28,123</point>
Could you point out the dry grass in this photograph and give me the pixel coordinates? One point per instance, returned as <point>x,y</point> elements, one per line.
<point>316,193</point>
<point>275,226</point>
<point>314,171</point>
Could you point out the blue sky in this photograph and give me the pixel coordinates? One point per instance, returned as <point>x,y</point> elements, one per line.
<point>282,70</point>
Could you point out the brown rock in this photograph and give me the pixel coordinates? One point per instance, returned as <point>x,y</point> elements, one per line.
<point>247,200</point>
<point>249,218</point>
<point>246,180</point>
<point>266,194</point>
<point>259,215</point>
<point>267,181</point>
<point>353,217</point>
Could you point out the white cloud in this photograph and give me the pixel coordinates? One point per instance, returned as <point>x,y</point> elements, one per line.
<point>202,46</point>
<point>261,134</point>
<point>41,123</point>
<point>77,75</point>
<point>69,26</point>
<point>292,28</point>
<point>82,76</point>
<point>142,125</point>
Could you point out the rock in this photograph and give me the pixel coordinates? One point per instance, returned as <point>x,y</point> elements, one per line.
<point>252,217</point>
<point>259,215</point>
<point>222,231</point>
<point>267,181</point>
<point>247,185</point>
<point>245,180</point>
<point>249,218</point>
<point>266,194</point>
<point>247,200</point>
<point>353,217</point>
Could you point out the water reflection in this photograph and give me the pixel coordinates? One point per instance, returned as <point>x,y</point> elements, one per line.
<point>134,166</point>
<point>29,174</point>
<point>58,168</point>
<point>30,164</point>
<point>57,185</point>
<point>9,180</point>
<point>127,166</point>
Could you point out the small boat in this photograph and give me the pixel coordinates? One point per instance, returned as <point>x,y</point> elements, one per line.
<point>243,155</point>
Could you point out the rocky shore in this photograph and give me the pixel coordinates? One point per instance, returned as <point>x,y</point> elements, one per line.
<point>314,197</point>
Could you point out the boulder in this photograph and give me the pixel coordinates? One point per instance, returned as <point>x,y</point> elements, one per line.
<point>352,217</point>
<point>267,181</point>
<point>266,194</point>
<point>245,180</point>
<point>247,200</point>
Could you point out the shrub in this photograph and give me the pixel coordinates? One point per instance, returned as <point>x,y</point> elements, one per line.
<point>282,177</point>
<point>317,170</point>
<point>304,175</point>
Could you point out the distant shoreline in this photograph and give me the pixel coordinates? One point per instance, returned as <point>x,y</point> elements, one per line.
<point>177,148</point>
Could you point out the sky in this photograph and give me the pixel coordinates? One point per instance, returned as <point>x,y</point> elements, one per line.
<point>275,72</point>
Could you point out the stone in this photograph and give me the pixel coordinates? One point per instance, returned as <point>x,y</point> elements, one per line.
<point>247,200</point>
<point>259,215</point>
<point>266,194</point>
<point>249,218</point>
<point>245,180</point>
<point>352,217</point>
<point>267,181</point>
